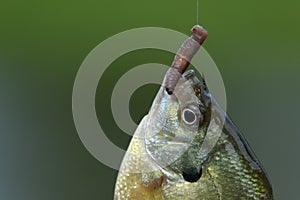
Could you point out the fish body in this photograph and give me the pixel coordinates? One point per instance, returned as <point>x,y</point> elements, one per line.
<point>188,148</point>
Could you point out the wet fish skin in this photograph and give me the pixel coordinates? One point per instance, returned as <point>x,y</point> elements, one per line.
<point>167,155</point>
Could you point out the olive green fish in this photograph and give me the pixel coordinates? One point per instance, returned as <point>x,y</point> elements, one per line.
<point>188,148</point>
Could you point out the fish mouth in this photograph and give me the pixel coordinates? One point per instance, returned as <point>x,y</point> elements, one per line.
<point>192,174</point>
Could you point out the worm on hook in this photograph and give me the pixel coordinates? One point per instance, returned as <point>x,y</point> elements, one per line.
<point>184,56</point>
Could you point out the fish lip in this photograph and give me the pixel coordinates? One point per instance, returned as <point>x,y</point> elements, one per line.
<point>189,73</point>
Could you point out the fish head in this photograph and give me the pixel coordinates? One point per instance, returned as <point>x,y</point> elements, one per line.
<point>177,126</point>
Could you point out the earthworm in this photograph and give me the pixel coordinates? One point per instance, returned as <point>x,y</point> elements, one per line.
<point>184,56</point>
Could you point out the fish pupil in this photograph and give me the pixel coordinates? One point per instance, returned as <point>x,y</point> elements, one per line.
<point>192,174</point>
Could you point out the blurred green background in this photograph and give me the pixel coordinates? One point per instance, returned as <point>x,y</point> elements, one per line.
<point>43,43</point>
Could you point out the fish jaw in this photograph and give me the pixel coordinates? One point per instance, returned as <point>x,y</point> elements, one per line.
<point>171,142</point>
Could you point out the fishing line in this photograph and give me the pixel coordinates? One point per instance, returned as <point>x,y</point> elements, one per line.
<point>197,10</point>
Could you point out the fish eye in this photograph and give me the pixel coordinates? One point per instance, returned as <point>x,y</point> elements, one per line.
<point>191,115</point>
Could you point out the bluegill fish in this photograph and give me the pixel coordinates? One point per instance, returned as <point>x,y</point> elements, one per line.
<point>188,148</point>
